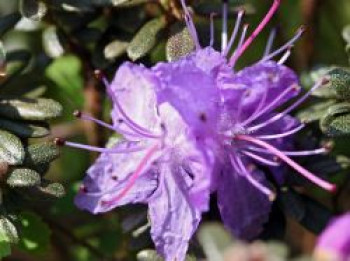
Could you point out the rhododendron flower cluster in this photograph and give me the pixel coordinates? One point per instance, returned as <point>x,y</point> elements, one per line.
<point>194,127</point>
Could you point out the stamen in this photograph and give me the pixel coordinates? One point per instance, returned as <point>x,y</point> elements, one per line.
<point>290,108</point>
<point>243,35</point>
<point>265,190</point>
<point>261,159</point>
<point>257,110</point>
<point>190,25</point>
<point>62,142</point>
<point>284,47</point>
<point>84,116</point>
<point>224,25</point>
<point>307,174</point>
<point>278,99</point>
<point>132,180</point>
<point>212,29</point>
<point>301,153</point>
<point>281,135</point>
<point>270,42</point>
<point>285,57</point>
<point>260,27</point>
<point>234,33</point>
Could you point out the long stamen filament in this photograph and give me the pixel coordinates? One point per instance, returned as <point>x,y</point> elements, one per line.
<point>289,109</point>
<point>256,32</point>
<point>190,25</point>
<point>261,159</point>
<point>277,100</point>
<point>284,47</point>
<point>212,30</point>
<point>133,178</point>
<point>234,33</point>
<point>285,57</point>
<point>301,153</point>
<point>270,42</point>
<point>98,149</point>
<point>281,135</point>
<point>224,26</point>
<point>307,174</point>
<point>270,194</point>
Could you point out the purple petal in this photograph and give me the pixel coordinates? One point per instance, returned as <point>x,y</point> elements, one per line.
<point>173,215</point>
<point>134,88</point>
<point>244,209</point>
<point>334,242</point>
<point>107,177</point>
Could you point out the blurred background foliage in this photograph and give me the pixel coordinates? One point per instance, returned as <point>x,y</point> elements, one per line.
<point>62,42</point>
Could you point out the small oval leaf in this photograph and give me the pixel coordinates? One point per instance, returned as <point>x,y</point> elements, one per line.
<point>32,9</point>
<point>24,129</point>
<point>11,149</point>
<point>340,82</point>
<point>336,122</point>
<point>40,154</point>
<point>23,178</point>
<point>8,230</point>
<point>29,109</point>
<point>180,42</point>
<point>146,38</point>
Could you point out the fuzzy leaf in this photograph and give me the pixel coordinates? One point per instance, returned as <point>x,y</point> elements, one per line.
<point>48,191</point>
<point>23,178</point>
<point>8,231</point>
<point>24,129</point>
<point>32,9</point>
<point>32,241</point>
<point>11,149</point>
<point>315,112</point>
<point>151,255</point>
<point>180,42</point>
<point>115,49</point>
<point>340,82</point>
<point>5,248</point>
<point>29,109</point>
<point>40,154</point>
<point>336,122</point>
<point>146,38</point>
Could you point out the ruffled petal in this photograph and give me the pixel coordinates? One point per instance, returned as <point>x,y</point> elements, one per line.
<point>109,175</point>
<point>174,217</point>
<point>134,87</point>
<point>244,209</point>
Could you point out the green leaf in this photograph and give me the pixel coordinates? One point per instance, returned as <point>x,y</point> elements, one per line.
<point>11,149</point>
<point>346,34</point>
<point>35,234</point>
<point>115,49</point>
<point>180,42</point>
<point>29,109</point>
<point>8,231</point>
<point>23,178</point>
<point>146,38</point>
<point>25,129</point>
<point>32,9</point>
<point>214,239</point>
<point>5,248</point>
<point>40,154</point>
<point>65,71</point>
<point>336,122</point>
<point>340,82</point>
<point>51,42</point>
<point>47,191</point>
<point>315,112</point>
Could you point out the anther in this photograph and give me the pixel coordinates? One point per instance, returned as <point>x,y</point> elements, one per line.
<point>98,74</point>
<point>328,146</point>
<point>59,141</point>
<point>77,114</point>
<point>83,189</point>
<point>325,80</point>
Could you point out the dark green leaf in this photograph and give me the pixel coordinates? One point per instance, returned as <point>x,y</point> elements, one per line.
<point>5,247</point>
<point>340,82</point>
<point>29,109</point>
<point>32,9</point>
<point>25,129</point>
<point>180,42</point>
<point>40,154</point>
<point>8,22</point>
<point>48,191</point>
<point>11,149</point>
<point>23,178</point>
<point>146,38</point>
<point>32,241</point>
<point>315,112</point>
<point>336,122</point>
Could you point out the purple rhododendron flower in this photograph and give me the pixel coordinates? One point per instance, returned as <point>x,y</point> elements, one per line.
<point>334,243</point>
<point>194,127</point>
